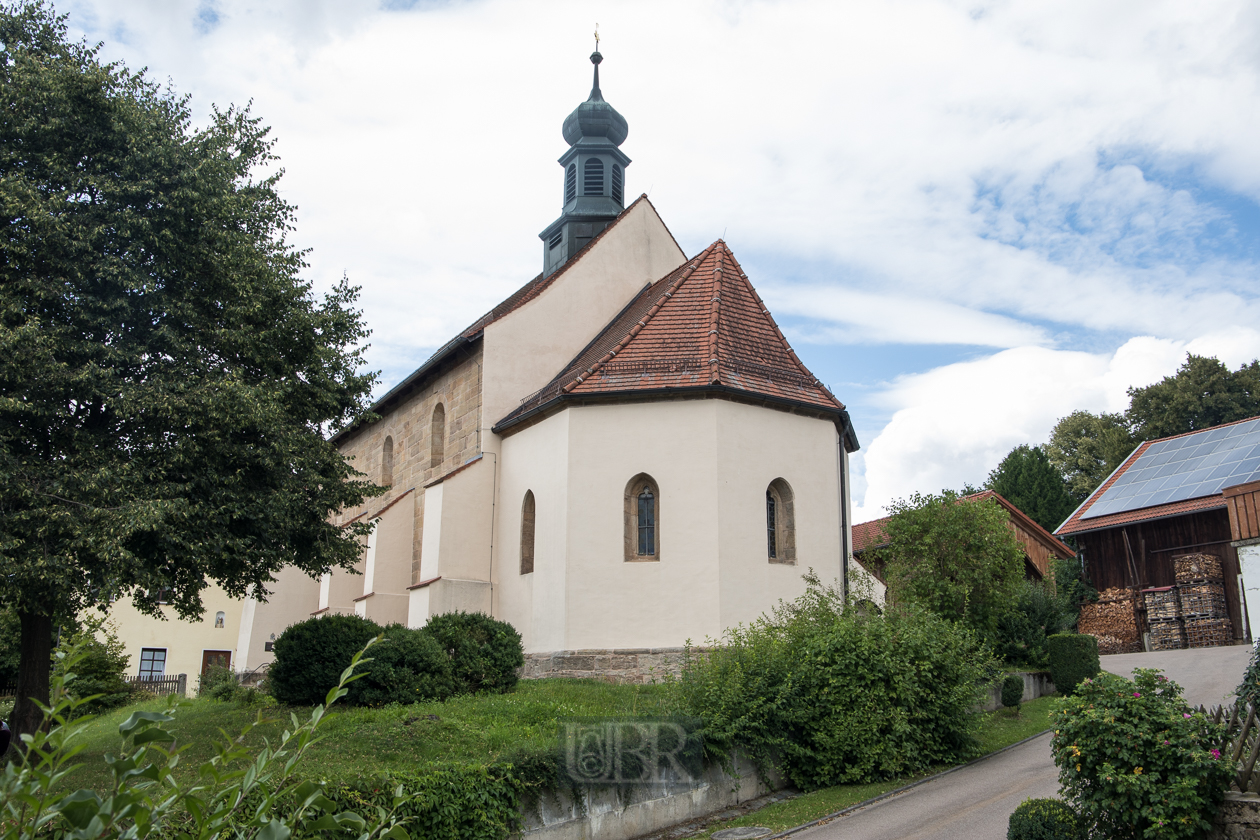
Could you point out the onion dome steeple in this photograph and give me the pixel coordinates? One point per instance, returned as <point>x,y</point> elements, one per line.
<point>594,175</point>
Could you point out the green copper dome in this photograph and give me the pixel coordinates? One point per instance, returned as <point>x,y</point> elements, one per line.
<point>595,120</point>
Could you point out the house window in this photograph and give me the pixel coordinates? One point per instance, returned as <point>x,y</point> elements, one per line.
<point>220,620</point>
<point>780,523</point>
<point>437,436</point>
<point>387,462</point>
<point>527,533</point>
<point>152,663</point>
<point>593,177</point>
<point>618,185</point>
<point>570,184</point>
<point>643,519</point>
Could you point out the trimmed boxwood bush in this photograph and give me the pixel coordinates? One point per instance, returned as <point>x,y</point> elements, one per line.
<point>1073,658</point>
<point>407,666</point>
<point>1012,690</point>
<point>311,655</point>
<point>1044,819</point>
<point>484,652</point>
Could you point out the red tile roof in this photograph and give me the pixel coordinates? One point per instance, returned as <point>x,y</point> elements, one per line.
<point>869,534</point>
<point>701,326</point>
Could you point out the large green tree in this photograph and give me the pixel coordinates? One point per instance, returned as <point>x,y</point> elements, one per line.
<point>166,376</point>
<point>1085,448</point>
<point>1203,393</point>
<point>1028,480</point>
<point>954,556</point>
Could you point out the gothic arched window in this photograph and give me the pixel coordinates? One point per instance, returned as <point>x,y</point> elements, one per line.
<point>437,436</point>
<point>642,519</point>
<point>570,183</point>
<point>387,462</point>
<point>593,177</point>
<point>618,184</point>
<point>780,523</point>
<point>527,533</point>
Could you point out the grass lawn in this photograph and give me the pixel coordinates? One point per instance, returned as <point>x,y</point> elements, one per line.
<point>362,742</point>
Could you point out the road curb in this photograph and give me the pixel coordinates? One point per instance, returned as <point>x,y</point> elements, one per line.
<point>843,811</point>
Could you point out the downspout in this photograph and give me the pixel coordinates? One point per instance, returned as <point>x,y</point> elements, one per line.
<point>841,465</point>
<point>494,495</point>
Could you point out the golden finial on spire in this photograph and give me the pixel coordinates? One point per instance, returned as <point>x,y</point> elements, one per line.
<point>596,37</point>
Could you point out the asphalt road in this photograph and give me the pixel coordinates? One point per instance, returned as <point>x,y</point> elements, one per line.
<point>976,802</point>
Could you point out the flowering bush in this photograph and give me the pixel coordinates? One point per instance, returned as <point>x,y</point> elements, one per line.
<point>1134,760</point>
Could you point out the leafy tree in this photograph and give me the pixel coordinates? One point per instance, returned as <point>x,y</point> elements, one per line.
<point>166,377</point>
<point>1035,614</point>
<point>954,556</point>
<point>1028,480</point>
<point>1201,394</point>
<point>1086,448</point>
<point>102,669</point>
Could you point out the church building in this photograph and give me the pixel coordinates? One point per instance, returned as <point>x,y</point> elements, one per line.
<point>623,455</point>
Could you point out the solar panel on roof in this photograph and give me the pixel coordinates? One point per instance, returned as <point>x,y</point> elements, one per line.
<point>1187,467</point>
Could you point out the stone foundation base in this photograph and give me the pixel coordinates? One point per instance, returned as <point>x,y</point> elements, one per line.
<point>629,665</point>
<point>1239,818</point>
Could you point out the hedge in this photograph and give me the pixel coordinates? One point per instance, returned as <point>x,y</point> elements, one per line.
<point>1073,658</point>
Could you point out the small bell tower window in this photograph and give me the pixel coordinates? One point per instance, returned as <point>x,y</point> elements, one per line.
<point>618,185</point>
<point>570,183</point>
<point>593,177</point>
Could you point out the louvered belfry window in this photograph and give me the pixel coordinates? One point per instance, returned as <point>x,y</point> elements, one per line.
<point>593,177</point>
<point>570,183</point>
<point>647,522</point>
<point>618,185</point>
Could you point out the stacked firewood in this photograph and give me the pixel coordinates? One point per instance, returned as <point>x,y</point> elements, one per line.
<point>1201,592</point>
<point>1190,567</point>
<point>1112,622</point>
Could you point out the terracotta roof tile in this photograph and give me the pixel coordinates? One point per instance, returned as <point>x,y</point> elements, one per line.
<point>870,534</point>
<point>701,325</point>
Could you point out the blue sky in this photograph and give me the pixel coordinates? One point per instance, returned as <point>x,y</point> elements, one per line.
<point>970,218</point>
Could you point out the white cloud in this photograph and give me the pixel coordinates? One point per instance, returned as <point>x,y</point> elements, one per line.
<point>955,423</point>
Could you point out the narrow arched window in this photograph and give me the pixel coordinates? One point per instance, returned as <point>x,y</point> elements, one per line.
<point>437,436</point>
<point>527,533</point>
<point>618,184</point>
<point>593,177</point>
<point>780,523</point>
<point>387,462</point>
<point>570,183</point>
<point>642,519</point>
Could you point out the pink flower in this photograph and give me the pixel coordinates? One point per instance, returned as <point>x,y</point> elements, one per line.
<point>1216,754</point>
<point>1165,743</point>
<point>1135,694</point>
<point>1185,715</point>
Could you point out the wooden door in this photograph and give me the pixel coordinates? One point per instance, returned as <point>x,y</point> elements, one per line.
<point>210,658</point>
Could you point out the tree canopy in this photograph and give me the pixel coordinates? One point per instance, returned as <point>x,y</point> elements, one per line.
<point>1203,393</point>
<point>166,376</point>
<point>1028,480</point>
<point>954,556</point>
<point>1086,448</point>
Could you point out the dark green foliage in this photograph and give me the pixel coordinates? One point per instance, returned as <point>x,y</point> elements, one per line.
<point>1073,658</point>
<point>1035,614</point>
<point>166,375</point>
<point>1012,691</point>
<point>1248,690</point>
<point>1135,762</point>
<point>1028,480</point>
<point>101,670</point>
<point>484,652</point>
<point>311,655</point>
<point>219,683</point>
<point>407,666</point>
<point>1086,448</point>
<point>837,697</point>
<point>953,556</point>
<point>10,647</point>
<point>1044,819</point>
<point>1071,589</point>
<point>1201,394</point>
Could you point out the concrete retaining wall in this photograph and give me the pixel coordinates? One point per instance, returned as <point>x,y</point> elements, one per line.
<point>630,665</point>
<point>1036,684</point>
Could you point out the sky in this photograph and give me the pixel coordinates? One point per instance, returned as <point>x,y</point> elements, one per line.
<point>970,219</point>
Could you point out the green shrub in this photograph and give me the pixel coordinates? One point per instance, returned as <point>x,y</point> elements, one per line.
<point>837,697</point>
<point>408,666</point>
<point>1134,761</point>
<point>1044,819</point>
<point>1073,658</point>
<point>484,652</point>
<point>1035,614</point>
<point>219,683</point>
<point>311,655</point>
<point>1248,690</point>
<point>101,668</point>
<point>1012,691</point>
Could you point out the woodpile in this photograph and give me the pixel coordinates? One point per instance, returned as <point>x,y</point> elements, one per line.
<point>1168,634</point>
<point>1162,603</point>
<point>1190,567</point>
<point>1203,599</point>
<point>1208,632</point>
<point>1112,622</point>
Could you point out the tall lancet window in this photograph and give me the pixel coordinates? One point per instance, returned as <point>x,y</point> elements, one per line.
<point>643,519</point>
<point>527,533</point>
<point>437,436</point>
<point>570,183</point>
<point>593,177</point>
<point>387,462</point>
<point>772,543</point>
<point>780,523</point>
<point>618,185</point>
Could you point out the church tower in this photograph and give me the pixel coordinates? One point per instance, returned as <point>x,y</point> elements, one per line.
<point>594,176</point>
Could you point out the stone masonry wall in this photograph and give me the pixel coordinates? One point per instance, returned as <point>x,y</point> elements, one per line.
<point>631,665</point>
<point>457,387</point>
<point>1239,818</point>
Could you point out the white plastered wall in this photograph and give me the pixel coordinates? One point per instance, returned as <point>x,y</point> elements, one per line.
<point>457,544</point>
<point>183,641</point>
<point>391,566</point>
<point>294,596</point>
